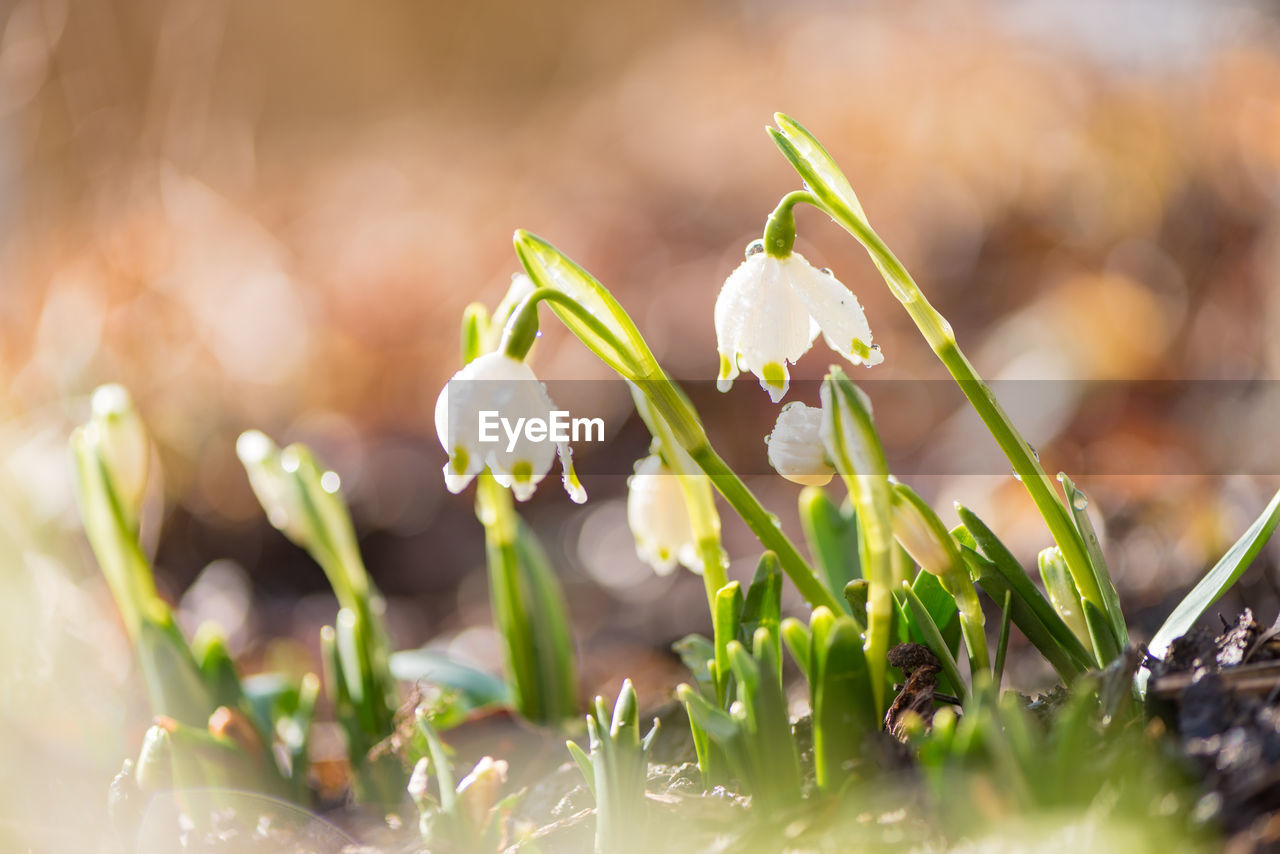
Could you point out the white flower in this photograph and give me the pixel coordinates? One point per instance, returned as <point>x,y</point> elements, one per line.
<point>658,518</point>
<point>496,383</point>
<point>769,312</point>
<point>795,446</point>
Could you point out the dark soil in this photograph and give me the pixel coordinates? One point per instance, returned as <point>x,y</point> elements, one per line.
<point>1221,695</point>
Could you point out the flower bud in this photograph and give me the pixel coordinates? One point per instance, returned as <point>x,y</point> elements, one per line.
<point>117,434</point>
<point>919,530</point>
<point>478,791</point>
<point>795,446</point>
<point>277,492</point>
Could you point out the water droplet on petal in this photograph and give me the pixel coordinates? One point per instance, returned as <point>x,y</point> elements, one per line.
<point>755,247</point>
<point>826,271</point>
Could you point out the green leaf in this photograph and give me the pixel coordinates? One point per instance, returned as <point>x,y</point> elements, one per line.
<point>553,639</point>
<point>1078,503</point>
<point>832,535</point>
<point>941,606</point>
<point>697,653</point>
<point>763,606</point>
<point>932,637</point>
<point>844,709</point>
<point>711,720</point>
<point>1025,617</point>
<point>814,164</point>
<point>1104,642</point>
<point>1216,581</point>
<point>795,635</point>
<point>1012,576</point>
<point>726,619</point>
<point>474,687</point>
<point>855,593</point>
<point>1002,646</point>
<point>605,327</point>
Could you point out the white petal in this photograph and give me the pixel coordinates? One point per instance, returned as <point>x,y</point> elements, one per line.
<point>761,324</point>
<point>569,478</point>
<point>658,519</point>
<point>835,309</point>
<point>795,446</point>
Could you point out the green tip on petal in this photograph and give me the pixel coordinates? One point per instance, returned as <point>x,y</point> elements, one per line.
<point>460,459</point>
<point>775,375</point>
<point>859,349</point>
<point>522,471</point>
<point>725,367</point>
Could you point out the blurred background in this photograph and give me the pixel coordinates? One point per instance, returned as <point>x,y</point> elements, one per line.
<point>272,214</point>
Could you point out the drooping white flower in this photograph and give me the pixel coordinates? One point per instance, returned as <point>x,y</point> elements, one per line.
<point>795,446</point>
<point>658,519</point>
<point>508,391</point>
<point>771,309</point>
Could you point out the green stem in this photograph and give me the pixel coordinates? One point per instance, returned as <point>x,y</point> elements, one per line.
<point>497,513</point>
<point>941,338</point>
<point>521,330</point>
<point>764,526</point>
<point>780,227</point>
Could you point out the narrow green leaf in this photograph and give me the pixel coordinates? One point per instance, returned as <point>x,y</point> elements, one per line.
<point>844,708</point>
<point>1013,577</point>
<point>713,721</point>
<point>815,165</point>
<point>832,535</point>
<point>941,606</point>
<point>549,620</point>
<point>1104,642</point>
<point>795,635</point>
<point>1217,580</point>
<point>1078,503</point>
<point>933,637</point>
<point>855,593</point>
<point>583,761</point>
<point>726,620</point>
<point>1002,646</point>
<point>1026,618</point>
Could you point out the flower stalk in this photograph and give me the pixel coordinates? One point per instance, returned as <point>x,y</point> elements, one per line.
<point>854,448</point>
<point>834,196</point>
<point>596,309</point>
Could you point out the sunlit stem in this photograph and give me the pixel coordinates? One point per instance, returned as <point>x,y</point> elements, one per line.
<point>780,227</point>
<point>522,327</point>
<point>941,338</point>
<point>496,511</point>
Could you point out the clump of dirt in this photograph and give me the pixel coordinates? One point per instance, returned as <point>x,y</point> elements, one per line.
<point>1221,694</point>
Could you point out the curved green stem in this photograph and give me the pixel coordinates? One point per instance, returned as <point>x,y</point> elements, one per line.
<point>521,330</point>
<point>764,526</point>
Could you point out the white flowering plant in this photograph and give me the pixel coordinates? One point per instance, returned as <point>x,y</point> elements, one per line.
<point>890,594</point>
